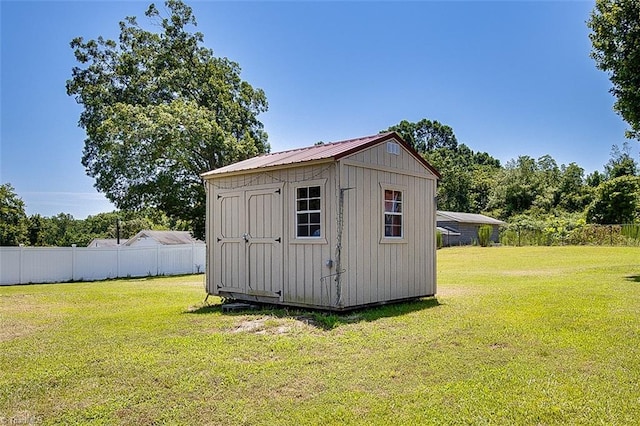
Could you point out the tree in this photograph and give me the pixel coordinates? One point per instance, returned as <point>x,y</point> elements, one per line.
<point>13,220</point>
<point>621,162</point>
<point>615,37</point>
<point>617,201</point>
<point>426,135</point>
<point>516,188</point>
<point>159,110</point>
<point>572,195</point>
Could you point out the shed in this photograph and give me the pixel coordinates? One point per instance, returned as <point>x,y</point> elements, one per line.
<point>146,238</point>
<point>333,226</point>
<point>466,226</point>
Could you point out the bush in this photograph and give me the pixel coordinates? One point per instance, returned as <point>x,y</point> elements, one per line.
<point>439,239</point>
<point>484,235</point>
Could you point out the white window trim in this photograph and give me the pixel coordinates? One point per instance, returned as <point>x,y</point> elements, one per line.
<point>322,239</point>
<point>383,238</point>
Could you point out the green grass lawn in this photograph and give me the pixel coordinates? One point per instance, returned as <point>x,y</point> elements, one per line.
<point>531,335</point>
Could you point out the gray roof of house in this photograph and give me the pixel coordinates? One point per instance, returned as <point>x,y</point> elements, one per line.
<point>165,237</point>
<point>442,215</point>
<point>103,242</point>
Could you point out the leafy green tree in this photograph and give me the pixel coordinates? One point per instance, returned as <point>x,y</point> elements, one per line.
<point>159,110</point>
<point>595,179</point>
<point>617,201</point>
<point>621,162</point>
<point>466,175</point>
<point>572,194</point>
<point>13,220</point>
<point>61,230</point>
<point>426,135</point>
<point>516,188</point>
<point>615,37</point>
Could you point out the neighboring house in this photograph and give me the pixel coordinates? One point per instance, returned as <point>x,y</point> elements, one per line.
<point>148,238</point>
<point>333,226</point>
<point>103,242</point>
<point>449,236</point>
<point>463,227</point>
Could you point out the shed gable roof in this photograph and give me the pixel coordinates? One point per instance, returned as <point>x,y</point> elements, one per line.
<point>442,215</point>
<point>327,151</point>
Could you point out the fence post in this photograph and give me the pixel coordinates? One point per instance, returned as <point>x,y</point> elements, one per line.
<point>73,262</point>
<point>193,257</point>
<point>21,264</point>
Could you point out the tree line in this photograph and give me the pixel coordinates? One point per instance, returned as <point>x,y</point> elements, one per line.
<point>159,109</point>
<point>63,230</point>
<point>526,188</point>
<point>523,190</point>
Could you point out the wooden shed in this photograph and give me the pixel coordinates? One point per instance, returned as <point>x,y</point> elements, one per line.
<point>333,226</point>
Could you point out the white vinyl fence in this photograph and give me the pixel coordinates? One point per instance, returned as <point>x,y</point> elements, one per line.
<point>24,265</point>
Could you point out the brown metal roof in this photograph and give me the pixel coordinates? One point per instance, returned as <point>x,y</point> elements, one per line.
<point>333,151</point>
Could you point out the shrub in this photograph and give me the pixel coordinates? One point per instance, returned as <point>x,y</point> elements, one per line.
<point>439,239</point>
<point>484,235</point>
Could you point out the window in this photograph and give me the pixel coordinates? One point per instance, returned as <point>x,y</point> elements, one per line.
<point>308,212</point>
<point>392,213</point>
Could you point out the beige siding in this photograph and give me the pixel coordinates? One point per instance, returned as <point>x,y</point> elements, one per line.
<point>377,269</point>
<point>303,261</point>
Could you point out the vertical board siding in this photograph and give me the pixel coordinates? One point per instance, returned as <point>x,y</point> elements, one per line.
<point>298,269</point>
<point>381,271</point>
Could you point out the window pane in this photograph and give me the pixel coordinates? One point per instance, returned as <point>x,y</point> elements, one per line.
<point>314,192</point>
<point>314,218</point>
<point>314,230</point>
<point>303,205</point>
<point>314,204</point>
<point>303,231</point>
<point>396,231</point>
<point>303,218</point>
<point>302,192</point>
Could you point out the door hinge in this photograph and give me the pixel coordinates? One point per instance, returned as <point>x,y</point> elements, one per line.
<point>218,239</point>
<point>278,191</point>
<point>278,240</point>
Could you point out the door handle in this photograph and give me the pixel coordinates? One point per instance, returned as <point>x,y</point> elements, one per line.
<point>245,237</point>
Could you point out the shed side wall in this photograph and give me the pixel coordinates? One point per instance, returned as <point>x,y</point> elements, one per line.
<point>378,270</point>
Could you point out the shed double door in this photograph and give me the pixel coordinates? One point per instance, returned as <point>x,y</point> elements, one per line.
<point>248,238</point>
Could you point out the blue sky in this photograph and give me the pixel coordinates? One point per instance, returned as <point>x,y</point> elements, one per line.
<point>510,77</point>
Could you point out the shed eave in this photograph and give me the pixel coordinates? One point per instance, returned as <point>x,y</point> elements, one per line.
<point>213,175</point>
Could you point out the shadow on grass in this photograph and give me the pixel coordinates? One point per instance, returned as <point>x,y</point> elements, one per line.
<point>326,320</point>
<point>633,278</point>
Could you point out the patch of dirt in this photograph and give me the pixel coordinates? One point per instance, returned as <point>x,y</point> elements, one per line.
<point>13,329</point>
<point>272,325</point>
